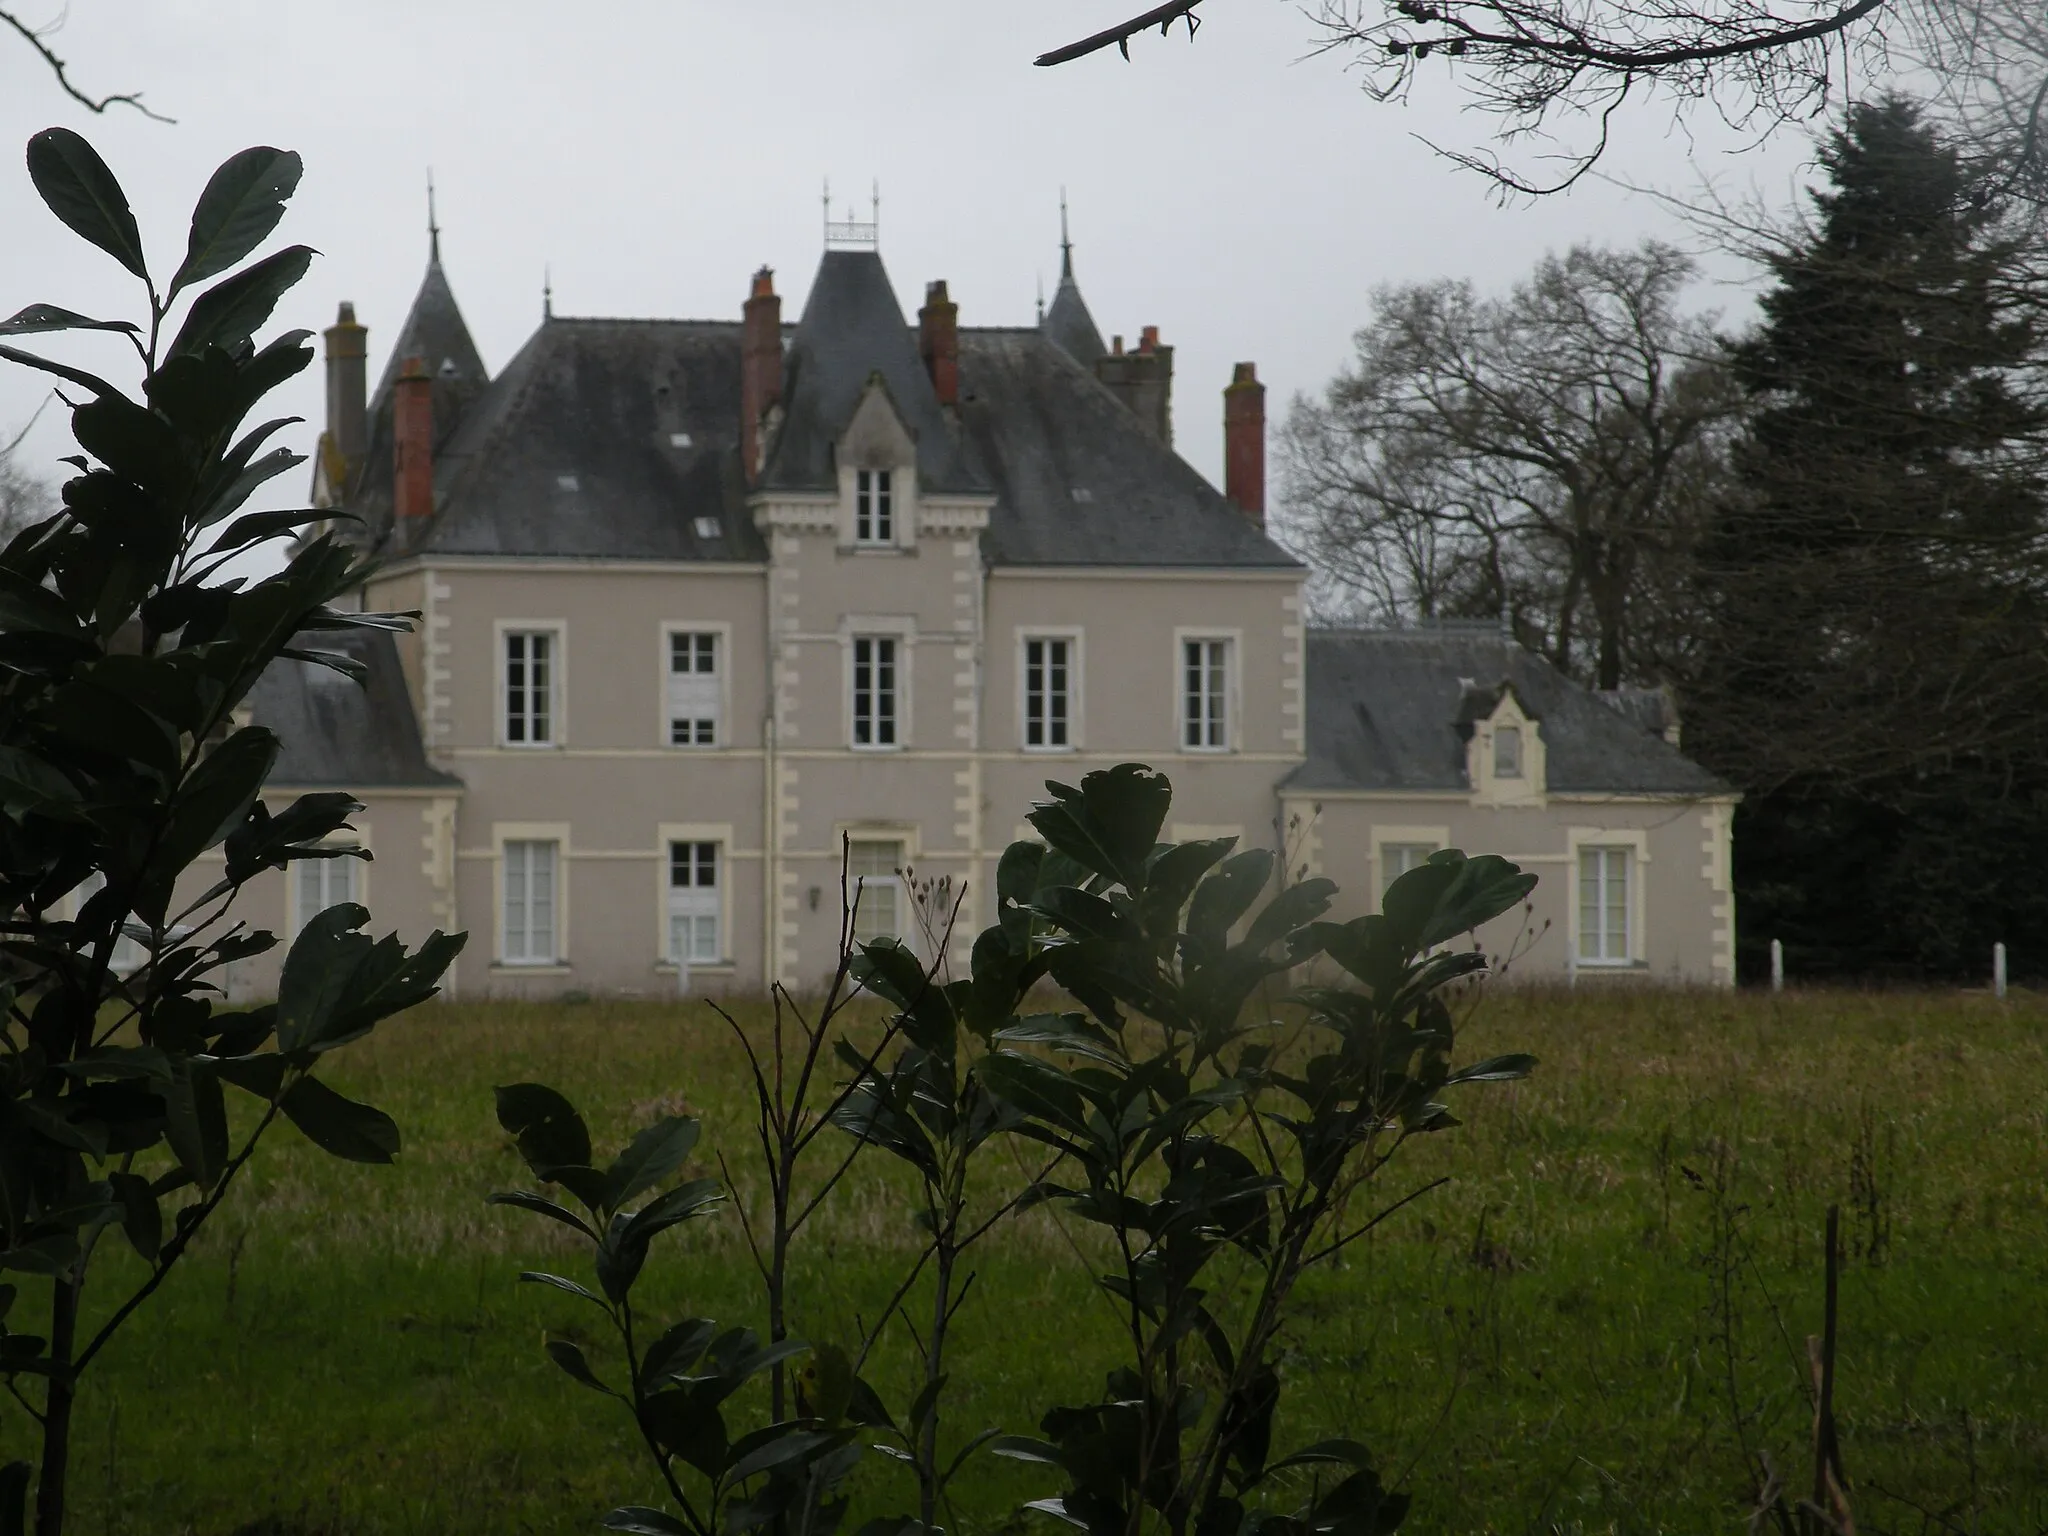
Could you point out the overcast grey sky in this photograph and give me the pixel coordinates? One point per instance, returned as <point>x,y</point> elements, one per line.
<point>1242,196</point>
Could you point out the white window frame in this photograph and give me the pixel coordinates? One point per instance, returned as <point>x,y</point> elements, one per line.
<point>558,678</point>
<point>1233,642</point>
<point>903,636</point>
<point>1435,839</point>
<point>1505,731</point>
<point>721,634</point>
<point>556,832</point>
<point>876,512</point>
<point>1636,844</point>
<point>703,900</point>
<point>355,873</point>
<point>905,840</point>
<point>672,832</point>
<point>1070,636</point>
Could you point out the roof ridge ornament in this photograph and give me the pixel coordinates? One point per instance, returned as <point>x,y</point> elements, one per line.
<point>433,224</point>
<point>850,233</point>
<point>1066,245</point>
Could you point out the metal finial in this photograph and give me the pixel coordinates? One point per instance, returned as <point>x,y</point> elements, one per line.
<point>1066,245</point>
<point>875,207</point>
<point>547,293</point>
<point>827,200</point>
<point>1041,299</point>
<point>433,224</point>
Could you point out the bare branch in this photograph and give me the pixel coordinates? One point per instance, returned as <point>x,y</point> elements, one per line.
<point>35,38</point>
<point>1161,16</point>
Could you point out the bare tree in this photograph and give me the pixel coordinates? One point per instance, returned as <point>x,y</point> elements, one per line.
<point>24,498</point>
<point>1547,457</point>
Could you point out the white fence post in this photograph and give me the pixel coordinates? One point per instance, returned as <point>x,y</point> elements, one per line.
<point>1777,966</point>
<point>1998,970</point>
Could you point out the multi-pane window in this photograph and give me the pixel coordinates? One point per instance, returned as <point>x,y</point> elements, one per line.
<point>1048,693</point>
<point>693,904</point>
<point>318,884</point>
<point>531,875</point>
<point>1205,688</point>
<point>529,687</point>
<point>874,691</point>
<point>874,511</point>
<point>694,693</point>
<point>1604,905</point>
<point>1396,859</point>
<point>1507,751</point>
<point>872,872</point>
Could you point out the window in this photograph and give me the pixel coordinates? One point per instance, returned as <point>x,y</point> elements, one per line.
<point>530,904</point>
<point>1205,680</point>
<point>874,691</point>
<point>318,884</point>
<point>874,516</point>
<point>1396,859</point>
<point>1048,693</point>
<point>1507,751</point>
<point>695,695</point>
<point>529,687</point>
<point>694,907</point>
<point>872,879</point>
<point>1604,905</point>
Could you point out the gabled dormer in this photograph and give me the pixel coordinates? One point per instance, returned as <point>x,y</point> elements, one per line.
<point>877,464</point>
<point>1504,751</point>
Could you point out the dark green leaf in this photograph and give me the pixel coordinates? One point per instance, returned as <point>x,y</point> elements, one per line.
<point>48,317</point>
<point>639,1520</point>
<point>195,1120</point>
<point>1495,1069</point>
<point>340,1125</point>
<point>679,1348</point>
<point>229,313</point>
<point>653,1155</point>
<point>239,208</point>
<point>542,1206</point>
<point>557,1282</point>
<point>550,1132</point>
<point>75,182</point>
<point>570,1358</point>
<point>141,1217</point>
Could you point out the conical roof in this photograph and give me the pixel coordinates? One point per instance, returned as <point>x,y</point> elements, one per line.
<point>1067,324</point>
<point>853,331</point>
<point>434,330</point>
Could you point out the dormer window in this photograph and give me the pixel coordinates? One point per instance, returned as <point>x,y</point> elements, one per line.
<point>1507,752</point>
<point>874,516</point>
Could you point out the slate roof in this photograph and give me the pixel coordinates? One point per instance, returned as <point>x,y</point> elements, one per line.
<point>1384,708</point>
<point>1068,325</point>
<point>337,732</point>
<point>603,439</point>
<point>613,438</point>
<point>853,331</point>
<point>1079,479</point>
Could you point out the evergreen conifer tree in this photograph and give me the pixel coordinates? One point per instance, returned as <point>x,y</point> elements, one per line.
<point>1871,667</point>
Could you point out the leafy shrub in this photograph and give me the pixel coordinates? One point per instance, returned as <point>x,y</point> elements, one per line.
<point>1224,1134</point>
<point>124,655</point>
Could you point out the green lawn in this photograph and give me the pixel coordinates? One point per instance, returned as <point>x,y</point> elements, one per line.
<point>1545,1344</point>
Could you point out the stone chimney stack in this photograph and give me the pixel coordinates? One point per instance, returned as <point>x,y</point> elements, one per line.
<point>412,433</point>
<point>1244,443</point>
<point>760,368</point>
<point>938,339</point>
<point>1143,380</point>
<point>348,416</point>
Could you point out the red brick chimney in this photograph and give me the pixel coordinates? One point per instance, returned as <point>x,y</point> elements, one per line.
<point>938,339</point>
<point>1244,443</point>
<point>412,432</point>
<point>760,367</point>
<point>348,419</point>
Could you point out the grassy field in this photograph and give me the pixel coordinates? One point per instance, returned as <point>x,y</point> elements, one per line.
<point>1580,1333</point>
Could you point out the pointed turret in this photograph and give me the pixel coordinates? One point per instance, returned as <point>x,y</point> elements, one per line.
<point>1067,324</point>
<point>434,332</point>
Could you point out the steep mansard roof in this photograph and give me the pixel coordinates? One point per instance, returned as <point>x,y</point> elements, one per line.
<point>852,331</point>
<point>619,439</point>
<point>1391,710</point>
<point>336,732</point>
